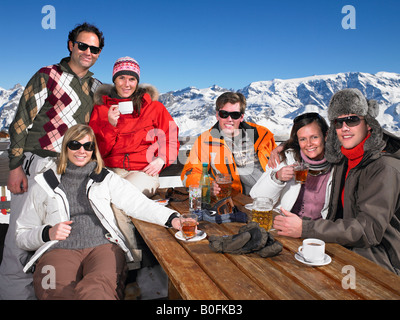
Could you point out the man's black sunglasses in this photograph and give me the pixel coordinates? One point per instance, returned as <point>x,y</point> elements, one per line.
<point>308,115</point>
<point>225,114</point>
<point>351,121</point>
<point>83,47</point>
<point>76,145</point>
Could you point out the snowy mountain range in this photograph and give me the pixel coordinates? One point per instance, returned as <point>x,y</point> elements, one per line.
<point>275,103</point>
<point>271,103</point>
<point>9,100</point>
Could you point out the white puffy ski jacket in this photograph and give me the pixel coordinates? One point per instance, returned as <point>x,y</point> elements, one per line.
<point>47,205</point>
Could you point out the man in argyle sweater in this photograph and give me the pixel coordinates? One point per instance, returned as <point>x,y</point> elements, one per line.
<point>56,98</point>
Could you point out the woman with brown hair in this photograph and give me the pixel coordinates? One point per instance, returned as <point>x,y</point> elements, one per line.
<point>306,144</point>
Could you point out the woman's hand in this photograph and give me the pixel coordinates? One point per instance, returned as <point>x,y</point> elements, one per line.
<point>154,167</point>
<point>285,173</point>
<point>113,115</point>
<point>290,225</point>
<point>176,223</point>
<point>60,231</point>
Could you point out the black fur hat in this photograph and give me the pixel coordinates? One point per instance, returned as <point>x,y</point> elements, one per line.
<point>352,101</point>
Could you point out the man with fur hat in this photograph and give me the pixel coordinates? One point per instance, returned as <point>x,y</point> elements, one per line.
<point>364,213</point>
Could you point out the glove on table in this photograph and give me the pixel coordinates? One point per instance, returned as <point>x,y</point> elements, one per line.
<point>251,238</point>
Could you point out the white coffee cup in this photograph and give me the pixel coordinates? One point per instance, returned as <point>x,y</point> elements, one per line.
<point>125,107</point>
<point>313,250</point>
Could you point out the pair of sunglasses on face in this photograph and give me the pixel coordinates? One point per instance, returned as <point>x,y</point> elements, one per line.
<point>76,145</point>
<point>225,114</point>
<point>351,121</point>
<point>83,47</point>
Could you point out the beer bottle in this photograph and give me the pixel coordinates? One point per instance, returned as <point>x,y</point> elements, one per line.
<point>205,185</point>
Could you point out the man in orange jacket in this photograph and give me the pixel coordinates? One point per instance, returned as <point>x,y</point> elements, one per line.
<point>232,146</point>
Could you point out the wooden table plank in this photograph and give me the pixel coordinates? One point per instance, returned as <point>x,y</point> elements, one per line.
<point>371,280</point>
<point>266,274</point>
<point>185,274</point>
<point>297,274</point>
<point>220,269</point>
<point>269,278</point>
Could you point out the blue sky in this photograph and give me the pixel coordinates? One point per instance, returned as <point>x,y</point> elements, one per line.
<point>181,43</point>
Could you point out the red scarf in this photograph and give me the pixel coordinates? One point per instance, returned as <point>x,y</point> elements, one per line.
<point>354,157</point>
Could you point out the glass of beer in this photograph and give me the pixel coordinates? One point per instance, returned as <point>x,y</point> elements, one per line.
<point>262,212</point>
<point>224,181</point>
<point>301,172</point>
<point>189,225</point>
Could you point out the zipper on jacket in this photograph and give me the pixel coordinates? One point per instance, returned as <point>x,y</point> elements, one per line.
<point>98,214</point>
<point>126,157</point>
<point>66,208</point>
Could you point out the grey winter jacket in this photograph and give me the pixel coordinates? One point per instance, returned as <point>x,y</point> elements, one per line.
<point>369,222</point>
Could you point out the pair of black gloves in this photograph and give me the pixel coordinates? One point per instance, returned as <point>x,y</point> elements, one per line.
<point>251,238</point>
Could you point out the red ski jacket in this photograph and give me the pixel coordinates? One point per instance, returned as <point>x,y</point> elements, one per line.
<point>137,139</point>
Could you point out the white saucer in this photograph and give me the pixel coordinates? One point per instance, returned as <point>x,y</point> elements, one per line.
<point>327,260</point>
<point>179,236</point>
<point>249,206</point>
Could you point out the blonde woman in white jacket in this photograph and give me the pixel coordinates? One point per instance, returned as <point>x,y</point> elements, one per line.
<point>69,222</point>
<point>297,201</point>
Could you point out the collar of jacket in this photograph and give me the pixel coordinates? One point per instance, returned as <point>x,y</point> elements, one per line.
<point>53,181</point>
<point>66,68</point>
<point>109,90</point>
<point>108,101</point>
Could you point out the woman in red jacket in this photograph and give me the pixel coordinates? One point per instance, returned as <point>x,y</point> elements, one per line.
<point>137,136</point>
<point>135,133</point>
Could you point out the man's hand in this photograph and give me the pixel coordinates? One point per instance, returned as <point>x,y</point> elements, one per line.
<point>290,225</point>
<point>274,159</point>
<point>215,189</point>
<point>17,181</point>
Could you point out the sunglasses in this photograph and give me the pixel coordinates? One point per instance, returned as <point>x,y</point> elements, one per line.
<point>83,47</point>
<point>76,145</point>
<point>225,114</point>
<point>351,121</point>
<point>309,115</point>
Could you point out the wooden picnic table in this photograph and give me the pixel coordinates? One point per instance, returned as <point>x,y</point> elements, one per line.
<point>198,273</point>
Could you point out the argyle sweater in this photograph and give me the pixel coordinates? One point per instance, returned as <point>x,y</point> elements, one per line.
<point>54,99</point>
